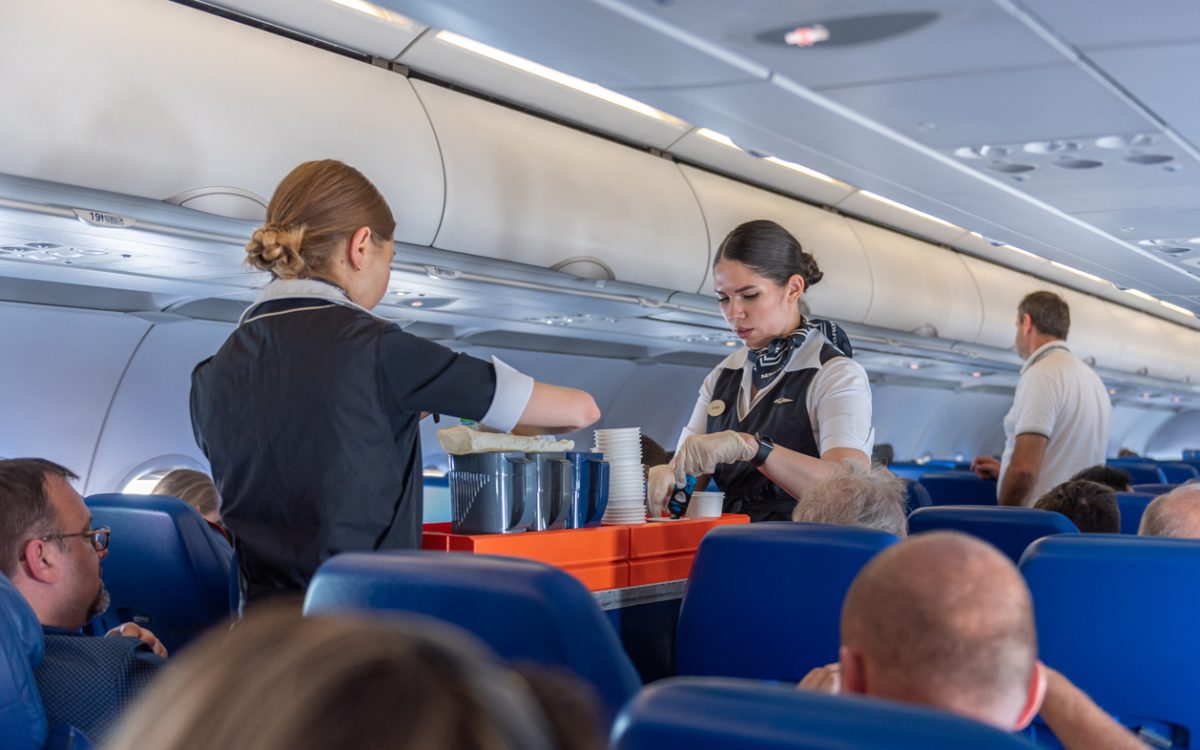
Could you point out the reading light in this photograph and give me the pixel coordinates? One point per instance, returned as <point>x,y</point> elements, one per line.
<point>895,204</point>
<point>550,74</point>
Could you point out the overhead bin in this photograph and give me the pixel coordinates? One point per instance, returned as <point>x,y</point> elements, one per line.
<point>844,293</point>
<point>919,288</point>
<point>525,189</point>
<point>243,108</point>
<point>1095,331</point>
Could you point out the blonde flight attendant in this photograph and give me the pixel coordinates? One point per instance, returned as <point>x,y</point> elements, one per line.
<point>309,412</point>
<point>788,408</point>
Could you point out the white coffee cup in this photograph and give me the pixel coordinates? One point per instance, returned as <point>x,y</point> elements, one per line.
<point>705,505</point>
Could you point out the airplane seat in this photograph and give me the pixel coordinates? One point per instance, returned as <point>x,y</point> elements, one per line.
<point>1115,614</point>
<point>1178,472</point>
<point>730,714</point>
<point>914,470</point>
<point>166,569</point>
<point>764,600</point>
<point>1155,488</point>
<point>1010,530</point>
<point>1133,505</point>
<point>959,488</point>
<point>1140,471</point>
<point>22,716</point>
<point>918,496</point>
<point>524,610</point>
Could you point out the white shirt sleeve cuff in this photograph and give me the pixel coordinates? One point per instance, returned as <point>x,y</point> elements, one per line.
<point>513,391</point>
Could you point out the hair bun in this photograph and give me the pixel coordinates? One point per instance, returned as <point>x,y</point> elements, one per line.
<point>276,248</point>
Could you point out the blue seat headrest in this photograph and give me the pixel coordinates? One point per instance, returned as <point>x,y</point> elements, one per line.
<point>22,714</point>
<point>1009,529</point>
<point>727,714</point>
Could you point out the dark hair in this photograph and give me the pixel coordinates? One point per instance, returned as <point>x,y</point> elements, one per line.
<point>1049,313</point>
<point>653,454</point>
<point>770,251</point>
<point>1091,506</point>
<point>24,505</point>
<point>1109,476</point>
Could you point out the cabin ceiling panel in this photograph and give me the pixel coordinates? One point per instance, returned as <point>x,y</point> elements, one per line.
<point>1089,24</point>
<point>971,36</point>
<point>579,38</point>
<point>1037,104</point>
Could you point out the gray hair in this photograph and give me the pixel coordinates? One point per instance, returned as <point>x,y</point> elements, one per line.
<point>1175,514</point>
<point>857,496</point>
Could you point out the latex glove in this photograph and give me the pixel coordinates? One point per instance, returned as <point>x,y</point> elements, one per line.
<point>660,483</point>
<point>133,630</point>
<point>826,679</point>
<point>700,454</point>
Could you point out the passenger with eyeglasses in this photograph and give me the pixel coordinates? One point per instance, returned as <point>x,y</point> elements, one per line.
<point>52,554</point>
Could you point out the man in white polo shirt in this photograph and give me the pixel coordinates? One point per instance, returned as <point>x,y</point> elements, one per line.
<point>1059,419</point>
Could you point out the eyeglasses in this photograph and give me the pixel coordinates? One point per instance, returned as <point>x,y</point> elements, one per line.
<point>97,537</point>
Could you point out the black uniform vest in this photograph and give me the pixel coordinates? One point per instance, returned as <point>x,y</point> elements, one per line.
<point>782,414</point>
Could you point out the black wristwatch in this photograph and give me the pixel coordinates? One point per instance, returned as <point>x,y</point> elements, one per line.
<point>765,446</point>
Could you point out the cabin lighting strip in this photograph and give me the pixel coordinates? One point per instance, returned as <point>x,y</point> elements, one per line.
<point>370,9</point>
<point>1077,272</point>
<point>725,140</point>
<point>555,76</point>
<point>909,209</point>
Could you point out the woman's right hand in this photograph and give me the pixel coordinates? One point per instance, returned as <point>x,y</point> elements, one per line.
<point>700,454</point>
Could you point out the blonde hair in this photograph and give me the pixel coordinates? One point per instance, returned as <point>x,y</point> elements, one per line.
<point>331,682</point>
<point>318,205</point>
<point>191,486</point>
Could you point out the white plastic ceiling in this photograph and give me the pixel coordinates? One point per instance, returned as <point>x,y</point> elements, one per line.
<point>891,115</point>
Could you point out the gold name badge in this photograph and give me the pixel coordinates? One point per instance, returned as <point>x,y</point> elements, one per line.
<point>716,408</point>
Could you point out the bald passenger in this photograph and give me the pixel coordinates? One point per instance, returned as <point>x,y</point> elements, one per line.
<point>945,621</point>
<point>1175,514</point>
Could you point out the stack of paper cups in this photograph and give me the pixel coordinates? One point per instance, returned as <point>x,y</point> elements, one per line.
<point>622,449</point>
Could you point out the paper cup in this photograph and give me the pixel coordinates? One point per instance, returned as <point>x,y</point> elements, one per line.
<point>705,505</point>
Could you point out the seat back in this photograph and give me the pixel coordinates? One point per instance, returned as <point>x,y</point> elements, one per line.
<point>914,470</point>
<point>1154,488</point>
<point>22,716</point>
<point>1011,530</point>
<point>166,568</point>
<point>1140,471</point>
<point>725,714</point>
<point>1178,472</point>
<point>959,488</point>
<point>764,600</point>
<point>1133,505</point>
<point>1116,614</point>
<point>918,497</point>
<point>524,610</point>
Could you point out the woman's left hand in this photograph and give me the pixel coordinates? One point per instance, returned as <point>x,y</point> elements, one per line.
<point>700,454</point>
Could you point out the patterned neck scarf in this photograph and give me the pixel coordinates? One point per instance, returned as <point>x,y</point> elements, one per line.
<point>769,361</point>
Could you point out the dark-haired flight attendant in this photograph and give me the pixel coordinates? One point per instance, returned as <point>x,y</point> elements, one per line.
<point>788,408</point>
<point>309,412</point>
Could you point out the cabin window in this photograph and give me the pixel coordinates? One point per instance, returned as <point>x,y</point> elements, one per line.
<point>142,479</point>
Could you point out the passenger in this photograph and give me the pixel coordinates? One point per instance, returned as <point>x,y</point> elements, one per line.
<point>1110,476</point>
<point>329,683</point>
<point>1058,423</point>
<point>874,498</point>
<point>309,412</point>
<point>789,395</point>
<point>197,490</point>
<point>52,556</point>
<point>945,621</point>
<point>1091,506</point>
<point>1175,514</point>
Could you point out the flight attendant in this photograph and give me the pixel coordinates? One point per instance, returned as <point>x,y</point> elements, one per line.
<point>309,412</point>
<point>789,407</point>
